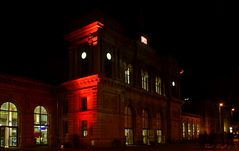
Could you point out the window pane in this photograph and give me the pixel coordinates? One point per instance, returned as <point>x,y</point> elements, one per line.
<point>4,106</point>
<point>43,119</point>
<point>36,118</point>
<point>37,135</point>
<point>12,107</point>
<point>4,118</point>
<point>14,118</point>
<point>37,109</point>
<point>43,110</point>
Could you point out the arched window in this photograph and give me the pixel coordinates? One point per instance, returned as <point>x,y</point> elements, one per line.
<point>158,88</point>
<point>40,125</point>
<point>8,125</point>
<point>145,126</point>
<point>145,80</point>
<point>128,124</point>
<point>128,74</point>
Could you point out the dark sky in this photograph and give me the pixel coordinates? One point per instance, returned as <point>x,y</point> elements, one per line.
<point>198,34</point>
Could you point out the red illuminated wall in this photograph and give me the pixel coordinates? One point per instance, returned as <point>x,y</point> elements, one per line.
<point>86,87</point>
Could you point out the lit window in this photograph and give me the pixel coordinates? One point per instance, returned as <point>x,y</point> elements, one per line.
<point>126,73</point>
<point>145,80</point>
<point>108,56</point>
<point>189,131</point>
<point>8,125</point>
<point>40,125</point>
<point>193,130</point>
<point>83,55</point>
<point>159,136</point>
<point>128,124</point>
<point>158,85</point>
<point>144,40</point>
<point>84,128</point>
<point>145,126</point>
<point>184,131</point>
<point>198,130</point>
<point>159,127</point>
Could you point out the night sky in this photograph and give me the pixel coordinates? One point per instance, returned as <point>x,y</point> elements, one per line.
<point>197,34</point>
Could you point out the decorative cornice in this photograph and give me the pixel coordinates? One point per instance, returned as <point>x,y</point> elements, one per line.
<point>85,34</point>
<point>80,83</point>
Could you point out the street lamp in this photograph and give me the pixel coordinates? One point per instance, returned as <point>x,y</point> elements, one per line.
<point>232,110</point>
<point>220,117</point>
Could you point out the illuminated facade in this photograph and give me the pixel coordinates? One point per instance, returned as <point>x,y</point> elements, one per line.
<point>190,127</point>
<point>27,113</point>
<point>121,91</point>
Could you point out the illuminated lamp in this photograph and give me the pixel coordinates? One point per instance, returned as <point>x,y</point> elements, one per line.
<point>173,83</point>
<point>83,55</point>
<point>108,56</point>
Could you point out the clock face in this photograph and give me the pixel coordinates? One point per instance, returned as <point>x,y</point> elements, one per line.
<point>83,55</point>
<point>108,55</point>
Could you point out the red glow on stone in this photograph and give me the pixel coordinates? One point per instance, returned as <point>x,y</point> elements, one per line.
<point>87,34</point>
<point>86,87</point>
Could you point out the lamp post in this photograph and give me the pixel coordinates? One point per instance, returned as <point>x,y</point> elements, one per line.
<point>220,117</point>
<point>232,111</point>
<point>231,122</point>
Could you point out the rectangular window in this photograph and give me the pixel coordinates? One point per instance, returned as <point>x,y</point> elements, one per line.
<point>184,131</point>
<point>84,104</point>
<point>158,85</point>
<point>198,131</point>
<point>145,80</point>
<point>159,136</point>
<point>84,128</point>
<point>189,131</point>
<point>127,76</point>
<point>193,130</point>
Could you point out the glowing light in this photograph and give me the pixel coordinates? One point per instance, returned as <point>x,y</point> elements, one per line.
<point>186,99</point>
<point>173,83</point>
<point>233,109</point>
<point>181,72</point>
<point>108,55</point>
<point>144,40</point>
<point>83,55</point>
<point>220,104</point>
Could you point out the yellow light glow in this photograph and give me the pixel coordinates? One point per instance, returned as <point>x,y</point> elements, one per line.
<point>221,104</point>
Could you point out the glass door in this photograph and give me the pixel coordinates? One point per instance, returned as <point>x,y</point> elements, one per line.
<point>8,136</point>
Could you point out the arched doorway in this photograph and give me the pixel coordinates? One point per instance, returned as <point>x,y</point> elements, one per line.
<point>159,127</point>
<point>8,125</point>
<point>40,125</point>
<point>145,126</point>
<point>128,126</point>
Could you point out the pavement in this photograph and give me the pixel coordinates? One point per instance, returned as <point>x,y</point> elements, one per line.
<point>160,147</point>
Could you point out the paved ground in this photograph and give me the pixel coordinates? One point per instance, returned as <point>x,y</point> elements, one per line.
<point>163,147</point>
